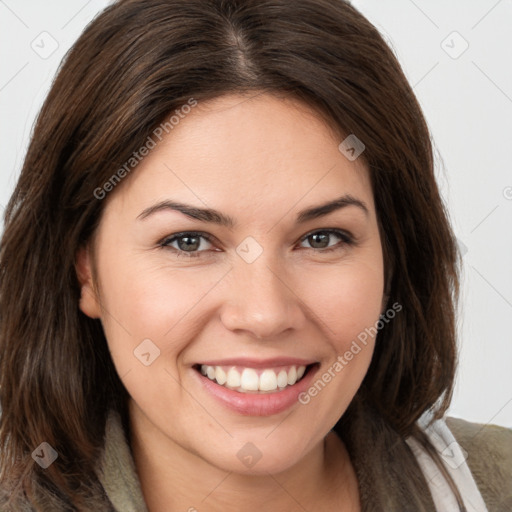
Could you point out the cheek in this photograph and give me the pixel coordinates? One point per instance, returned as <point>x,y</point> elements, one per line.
<point>347,300</point>
<point>348,304</point>
<point>147,301</point>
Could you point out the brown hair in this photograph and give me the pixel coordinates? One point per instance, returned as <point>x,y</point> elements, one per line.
<point>135,63</point>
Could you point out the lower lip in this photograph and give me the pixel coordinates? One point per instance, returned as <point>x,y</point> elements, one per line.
<point>254,404</point>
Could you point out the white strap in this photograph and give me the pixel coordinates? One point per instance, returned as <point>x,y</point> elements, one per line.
<point>454,459</point>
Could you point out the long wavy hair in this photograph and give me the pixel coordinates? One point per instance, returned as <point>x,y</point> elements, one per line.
<point>134,64</point>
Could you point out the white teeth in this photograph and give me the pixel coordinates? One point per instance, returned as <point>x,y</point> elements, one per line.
<point>249,380</point>
<point>268,381</point>
<point>233,378</point>
<point>220,375</point>
<point>282,379</point>
<point>292,376</point>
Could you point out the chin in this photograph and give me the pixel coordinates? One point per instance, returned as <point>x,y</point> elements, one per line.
<point>254,457</point>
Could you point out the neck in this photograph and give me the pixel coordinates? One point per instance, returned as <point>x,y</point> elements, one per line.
<point>173,478</point>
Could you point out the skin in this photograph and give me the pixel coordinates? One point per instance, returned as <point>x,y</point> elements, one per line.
<point>260,160</point>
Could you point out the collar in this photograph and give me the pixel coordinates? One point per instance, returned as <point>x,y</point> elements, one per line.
<point>454,458</point>
<point>116,469</point>
<point>118,475</point>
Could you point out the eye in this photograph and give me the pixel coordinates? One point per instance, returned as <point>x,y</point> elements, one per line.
<point>318,239</point>
<point>188,243</point>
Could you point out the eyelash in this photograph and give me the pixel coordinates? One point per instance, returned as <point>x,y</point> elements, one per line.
<point>346,240</point>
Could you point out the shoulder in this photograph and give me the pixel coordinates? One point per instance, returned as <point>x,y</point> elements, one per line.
<point>489,457</point>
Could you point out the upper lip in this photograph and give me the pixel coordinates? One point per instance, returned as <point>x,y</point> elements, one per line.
<point>258,363</point>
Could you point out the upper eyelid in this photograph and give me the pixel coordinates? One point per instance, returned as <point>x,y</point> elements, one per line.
<point>332,231</point>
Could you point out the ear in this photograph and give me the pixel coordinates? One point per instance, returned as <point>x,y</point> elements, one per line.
<point>89,301</point>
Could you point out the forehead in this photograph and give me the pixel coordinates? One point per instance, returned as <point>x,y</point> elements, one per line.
<point>253,151</point>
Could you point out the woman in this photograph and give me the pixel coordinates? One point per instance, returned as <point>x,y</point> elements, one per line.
<point>228,280</point>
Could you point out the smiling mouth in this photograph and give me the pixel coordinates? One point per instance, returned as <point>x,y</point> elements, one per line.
<point>255,380</point>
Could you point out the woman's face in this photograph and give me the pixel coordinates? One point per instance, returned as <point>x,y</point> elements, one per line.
<point>252,301</point>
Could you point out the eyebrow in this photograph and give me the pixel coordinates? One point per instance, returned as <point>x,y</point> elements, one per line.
<point>215,217</point>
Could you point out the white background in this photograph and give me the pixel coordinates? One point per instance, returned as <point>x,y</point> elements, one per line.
<point>467,100</point>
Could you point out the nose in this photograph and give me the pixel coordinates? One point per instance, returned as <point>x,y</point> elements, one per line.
<point>261,301</point>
